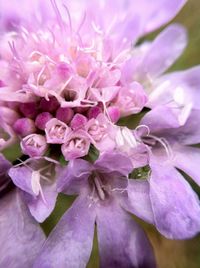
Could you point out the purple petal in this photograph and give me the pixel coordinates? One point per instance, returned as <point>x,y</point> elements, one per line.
<point>114,162</point>
<point>21,177</point>
<point>21,238</point>
<point>4,178</point>
<point>182,86</point>
<point>175,205</point>
<point>41,203</point>
<point>4,165</point>
<point>70,243</point>
<point>188,159</point>
<point>41,206</point>
<point>121,241</point>
<point>74,177</point>
<point>158,12</point>
<point>156,122</point>
<point>163,52</point>
<point>138,201</point>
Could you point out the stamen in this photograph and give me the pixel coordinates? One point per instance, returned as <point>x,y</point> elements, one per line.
<point>164,143</point>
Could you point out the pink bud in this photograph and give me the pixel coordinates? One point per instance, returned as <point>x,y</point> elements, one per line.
<point>34,145</point>
<point>94,112</point>
<point>114,113</point>
<point>56,131</point>
<point>76,145</point>
<point>50,105</point>
<point>24,127</point>
<point>78,121</point>
<point>64,114</point>
<point>42,119</point>
<point>28,109</point>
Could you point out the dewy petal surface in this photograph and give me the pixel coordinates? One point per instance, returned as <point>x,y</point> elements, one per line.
<point>122,243</point>
<point>21,238</point>
<point>175,205</point>
<point>70,243</point>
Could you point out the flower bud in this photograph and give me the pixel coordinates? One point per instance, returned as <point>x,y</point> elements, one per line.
<point>24,127</point>
<point>94,112</point>
<point>34,145</point>
<point>114,113</point>
<point>28,109</point>
<point>42,119</point>
<point>50,105</point>
<point>64,114</point>
<point>76,145</point>
<point>78,121</point>
<point>56,131</point>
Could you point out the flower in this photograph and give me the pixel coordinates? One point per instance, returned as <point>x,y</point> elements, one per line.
<point>170,147</point>
<point>21,236</point>
<point>69,81</point>
<point>36,177</point>
<point>103,194</point>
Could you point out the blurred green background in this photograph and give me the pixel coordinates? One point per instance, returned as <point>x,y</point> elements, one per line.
<point>169,254</point>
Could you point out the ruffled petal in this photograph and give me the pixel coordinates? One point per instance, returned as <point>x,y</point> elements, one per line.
<point>21,238</point>
<point>138,201</point>
<point>121,241</point>
<point>175,205</point>
<point>70,243</point>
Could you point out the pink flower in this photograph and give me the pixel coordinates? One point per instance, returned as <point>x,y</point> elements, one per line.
<point>56,131</point>
<point>34,145</point>
<point>101,132</point>
<point>76,145</point>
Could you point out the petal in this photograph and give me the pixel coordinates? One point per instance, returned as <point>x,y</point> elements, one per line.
<point>188,159</point>
<point>181,87</point>
<point>70,243</point>
<point>164,50</point>
<point>113,161</point>
<point>158,12</point>
<point>156,120</point>
<point>21,177</point>
<point>5,181</point>
<point>138,201</point>
<point>121,241</point>
<point>21,238</point>
<point>42,205</point>
<point>73,178</point>
<point>175,205</point>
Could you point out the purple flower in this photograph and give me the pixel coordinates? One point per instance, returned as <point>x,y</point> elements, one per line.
<point>37,179</point>
<point>170,147</point>
<point>104,197</point>
<point>67,79</point>
<point>21,237</point>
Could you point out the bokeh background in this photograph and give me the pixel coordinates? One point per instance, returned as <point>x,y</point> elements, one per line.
<point>169,253</point>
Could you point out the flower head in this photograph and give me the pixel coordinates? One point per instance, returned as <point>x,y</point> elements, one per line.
<point>69,82</point>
